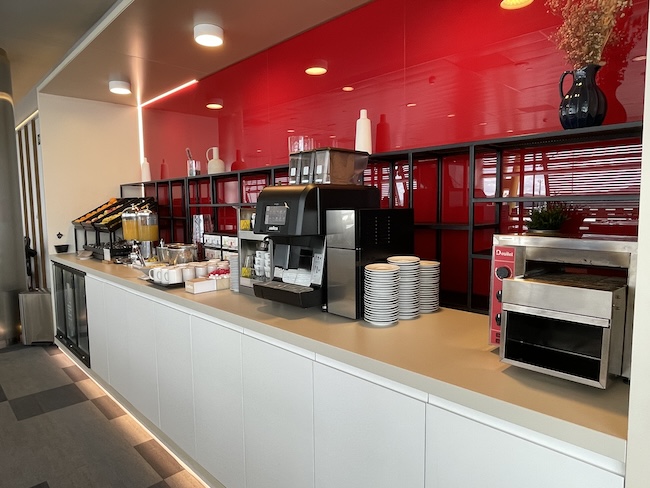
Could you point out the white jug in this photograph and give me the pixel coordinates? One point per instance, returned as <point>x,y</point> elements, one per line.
<point>215,165</point>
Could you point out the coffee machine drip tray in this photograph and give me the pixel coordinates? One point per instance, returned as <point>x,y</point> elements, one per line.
<point>290,293</point>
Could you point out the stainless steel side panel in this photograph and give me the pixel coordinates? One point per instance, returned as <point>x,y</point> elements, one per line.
<point>341,228</point>
<point>578,301</point>
<point>341,282</point>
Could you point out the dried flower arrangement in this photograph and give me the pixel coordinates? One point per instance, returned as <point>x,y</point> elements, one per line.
<point>587,26</point>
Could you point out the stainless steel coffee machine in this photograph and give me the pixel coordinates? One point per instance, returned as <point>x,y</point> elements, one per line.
<point>294,218</point>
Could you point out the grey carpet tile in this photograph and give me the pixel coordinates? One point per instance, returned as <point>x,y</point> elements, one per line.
<point>45,401</point>
<point>108,407</point>
<point>161,461</point>
<point>26,407</point>
<point>44,484</point>
<point>75,373</point>
<point>3,397</point>
<point>60,397</point>
<point>29,370</point>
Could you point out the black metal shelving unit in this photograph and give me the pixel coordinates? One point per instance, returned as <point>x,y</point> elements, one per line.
<point>391,163</point>
<point>607,135</point>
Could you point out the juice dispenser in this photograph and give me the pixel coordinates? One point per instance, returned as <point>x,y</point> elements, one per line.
<point>130,224</point>
<point>147,231</point>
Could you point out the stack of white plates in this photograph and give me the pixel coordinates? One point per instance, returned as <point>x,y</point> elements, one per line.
<point>409,285</point>
<point>234,271</point>
<point>381,287</point>
<point>429,286</point>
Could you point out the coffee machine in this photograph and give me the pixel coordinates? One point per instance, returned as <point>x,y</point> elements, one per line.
<point>294,218</point>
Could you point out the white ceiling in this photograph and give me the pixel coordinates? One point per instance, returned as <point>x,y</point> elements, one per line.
<point>150,42</point>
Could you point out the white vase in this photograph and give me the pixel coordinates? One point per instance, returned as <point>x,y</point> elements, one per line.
<point>215,165</point>
<point>363,140</point>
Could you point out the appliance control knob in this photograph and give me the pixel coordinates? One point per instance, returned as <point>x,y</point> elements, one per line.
<point>500,296</point>
<point>502,272</point>
<point>497,319</point>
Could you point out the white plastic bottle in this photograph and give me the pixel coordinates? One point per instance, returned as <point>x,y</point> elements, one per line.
<point>145,171</point>
<point>363,140</point>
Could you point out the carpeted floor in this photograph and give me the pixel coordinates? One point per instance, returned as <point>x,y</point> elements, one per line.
<point>58,429</point>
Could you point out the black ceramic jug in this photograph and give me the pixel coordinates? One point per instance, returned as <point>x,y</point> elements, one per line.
<point>584,105</point>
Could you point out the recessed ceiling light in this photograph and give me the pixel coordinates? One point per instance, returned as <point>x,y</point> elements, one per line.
<point>411,104</point>
<point>347,88</point>
<point>215,104</point>
<point>119,87</point>
<point>510,130</point>
<point>291,131</point>
<point>515,4</point>
<point>332,136</point>
<point>451,115</point>
<point>208,35</point>
<point>639,58</point>
<point>317,67</point>
<point>482,123</point>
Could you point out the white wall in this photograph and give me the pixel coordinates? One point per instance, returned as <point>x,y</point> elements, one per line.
<point>89,148</point>
<point>638,443</point>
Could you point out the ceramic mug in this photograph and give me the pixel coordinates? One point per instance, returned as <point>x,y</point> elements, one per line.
<point>189,273</point>
<point>155,274</point>
<point>172,276</point>
<point>201,270</point>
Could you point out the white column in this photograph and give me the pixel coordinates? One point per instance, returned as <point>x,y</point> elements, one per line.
<point>13,277</point>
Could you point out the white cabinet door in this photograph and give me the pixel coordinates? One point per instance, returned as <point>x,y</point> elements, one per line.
<point>174,358</point>
<point>366,435</point>
<point>117,338</point>
<point>97,327</point>
<point>141,347</point>
<point>218,407</point>
<point>463,453</point>
<point>278,417</point>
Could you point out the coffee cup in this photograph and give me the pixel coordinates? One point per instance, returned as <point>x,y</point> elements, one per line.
<point>172,276</point>
<point>155,274</point>
<point>189,273</point>
<point>201,270</point>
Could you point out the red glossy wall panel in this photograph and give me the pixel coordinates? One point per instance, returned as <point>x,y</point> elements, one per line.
<point>455,193</point>
<point>425,191</point>
<point>473,71</point>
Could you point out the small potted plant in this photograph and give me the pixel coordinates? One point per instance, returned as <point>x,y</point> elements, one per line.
<point>549,218</point>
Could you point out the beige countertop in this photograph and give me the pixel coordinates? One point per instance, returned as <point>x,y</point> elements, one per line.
<point>445,354</point>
